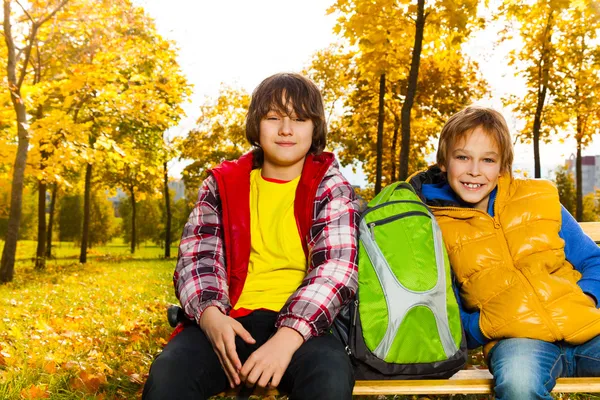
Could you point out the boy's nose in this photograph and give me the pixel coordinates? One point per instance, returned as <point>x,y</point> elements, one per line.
<point>474,170</point>
<point>286,126</point>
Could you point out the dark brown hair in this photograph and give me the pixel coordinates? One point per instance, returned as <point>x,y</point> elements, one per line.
<point>279,92</point>
<point>464,122</point>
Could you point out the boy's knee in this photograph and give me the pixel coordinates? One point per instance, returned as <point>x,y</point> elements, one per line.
<point>514,381</point>
<point>330,376</point>
<point>175,376</point>
<point>516,384</point>
<point>165,377</point>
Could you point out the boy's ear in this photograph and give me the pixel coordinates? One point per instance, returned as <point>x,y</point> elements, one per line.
<point>443,168</point>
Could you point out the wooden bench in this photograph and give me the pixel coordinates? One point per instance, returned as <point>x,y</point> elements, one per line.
<point>592,229</point>
<point>469,381</point>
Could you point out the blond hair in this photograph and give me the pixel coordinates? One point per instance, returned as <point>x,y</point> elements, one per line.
<point>465,121</point>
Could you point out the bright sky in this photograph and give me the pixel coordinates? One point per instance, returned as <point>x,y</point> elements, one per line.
<point>241,42</point>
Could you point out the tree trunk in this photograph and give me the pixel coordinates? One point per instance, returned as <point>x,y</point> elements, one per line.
<point>380,122</point>
<point>86,214</point>
<point>578,177</point>
<point>133,236</point>
<point>537,124</point>
<point>411,90</point>
<point>544,76</point>
<point>169,216</point>
<point>394,146</point>
<point>7,264</point>
<point>51,221</point>
<point>40,255</point>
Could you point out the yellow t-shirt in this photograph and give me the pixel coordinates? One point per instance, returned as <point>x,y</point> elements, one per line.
<point>277,262</point>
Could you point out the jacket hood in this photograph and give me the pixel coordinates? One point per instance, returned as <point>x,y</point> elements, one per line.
<point>433,188</point>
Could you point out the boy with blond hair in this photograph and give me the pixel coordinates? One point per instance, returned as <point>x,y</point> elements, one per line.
<point>526,276</point>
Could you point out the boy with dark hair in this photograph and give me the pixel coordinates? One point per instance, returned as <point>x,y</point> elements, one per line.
<point>527,277</point>
<point>266,261</point>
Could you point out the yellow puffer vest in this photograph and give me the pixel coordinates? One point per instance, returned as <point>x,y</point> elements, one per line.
<point>512,267</point>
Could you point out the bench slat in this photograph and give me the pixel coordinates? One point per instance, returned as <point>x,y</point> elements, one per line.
<point>463,386</point>
<point>453,385</point>
<point>592,229</point>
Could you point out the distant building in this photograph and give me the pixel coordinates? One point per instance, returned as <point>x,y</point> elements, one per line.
<point>590,172</point>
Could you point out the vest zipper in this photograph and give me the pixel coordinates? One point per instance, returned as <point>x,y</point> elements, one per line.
<point>540,308</point>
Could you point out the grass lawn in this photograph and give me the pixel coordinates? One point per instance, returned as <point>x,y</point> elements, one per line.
<point>83,331</point>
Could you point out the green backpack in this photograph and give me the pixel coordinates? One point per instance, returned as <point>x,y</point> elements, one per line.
<point>405,323</point>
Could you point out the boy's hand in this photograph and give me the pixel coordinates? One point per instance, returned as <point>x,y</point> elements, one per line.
<point>270,361</point>
<point>221,330</point>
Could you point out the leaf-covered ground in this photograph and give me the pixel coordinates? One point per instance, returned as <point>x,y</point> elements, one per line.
<point>83,331</point>
<point>91,331</point>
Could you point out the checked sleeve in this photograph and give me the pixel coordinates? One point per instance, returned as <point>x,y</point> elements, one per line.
<point>331,279</point>
<point>200,276</point>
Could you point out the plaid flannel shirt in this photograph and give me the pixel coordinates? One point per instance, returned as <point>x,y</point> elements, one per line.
<point>331,281</point>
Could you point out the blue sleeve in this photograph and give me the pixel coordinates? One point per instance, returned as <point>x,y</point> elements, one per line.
<point>470,321</point>
<point>582,253</point>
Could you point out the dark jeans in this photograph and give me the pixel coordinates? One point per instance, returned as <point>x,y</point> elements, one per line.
<point>188,368</point>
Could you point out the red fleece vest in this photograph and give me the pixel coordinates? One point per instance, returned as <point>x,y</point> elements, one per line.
<point>233,180</point>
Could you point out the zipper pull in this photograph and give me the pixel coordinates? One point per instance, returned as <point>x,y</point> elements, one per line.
<point>372,229</point>
<point>355,312</point>
<point>347,348</point>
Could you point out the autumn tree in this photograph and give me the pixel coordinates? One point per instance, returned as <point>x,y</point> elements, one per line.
<point>139,174</point>
<point>535,61</point>
<point>150,224</point>
<point>379,30</point>
<point>169,152</point>
<point>70,218</point>
<point>578,86</point>
<point>19,50</point>
<point>393,39</point>
<point>591,208</point>
<point>220,134</point>
<point>566,188</point>
<point>55,129</point>
<point>128,89</point>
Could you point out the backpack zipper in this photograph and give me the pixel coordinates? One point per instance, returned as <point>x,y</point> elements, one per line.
<point>394,202</point>
<point>373,224</point>
<point>351,331</point>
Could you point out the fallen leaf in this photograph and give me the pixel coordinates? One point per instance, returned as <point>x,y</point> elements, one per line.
<point>88,382</point>
<point>50,368</point>
<point>35,392</point>
<point>135,378</point>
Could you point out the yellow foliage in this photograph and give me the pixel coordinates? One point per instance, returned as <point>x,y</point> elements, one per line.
<point>220,133</point>
<point>377,37</point>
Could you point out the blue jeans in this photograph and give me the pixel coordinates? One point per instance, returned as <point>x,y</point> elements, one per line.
<point>528,368</point>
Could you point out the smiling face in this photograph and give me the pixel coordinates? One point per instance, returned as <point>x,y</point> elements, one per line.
<point>473,167</point>
<point>285,140</point>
